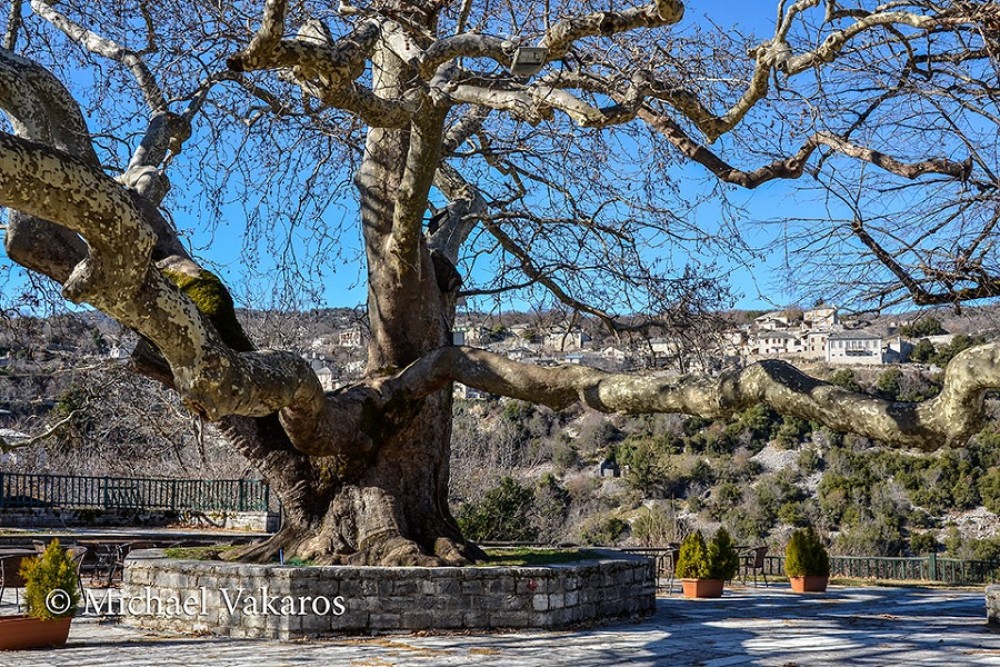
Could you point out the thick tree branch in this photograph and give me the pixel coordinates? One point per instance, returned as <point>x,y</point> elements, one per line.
<point>467,205</point>
<point>562,35</point>
<point>949,419</point>
<point>422,159</point>
<point>40,108</point>
<point>265,41</point>
<point>118,278</point>
<point>324,69</point>
<point>467,45</point>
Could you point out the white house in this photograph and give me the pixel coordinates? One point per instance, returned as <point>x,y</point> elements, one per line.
<point>614,353</point>
<point>771,321</point>
<point>854,347</point>
<point>777,344</point>
<point>520,353</point>
<point>353,337</point>
<point>560,339</point>
<point>823,317</point>
<point>814,344</point>
<point>469,393</point>
<point>354,368</point>
<point>326,379</point>
<point>522,330</point>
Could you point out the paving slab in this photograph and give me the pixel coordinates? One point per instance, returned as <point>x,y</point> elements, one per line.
<point>772,626</point>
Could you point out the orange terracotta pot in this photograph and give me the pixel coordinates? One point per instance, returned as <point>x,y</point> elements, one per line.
<point>21,632</point>
<point>702,588</point>
<point>809,584</point>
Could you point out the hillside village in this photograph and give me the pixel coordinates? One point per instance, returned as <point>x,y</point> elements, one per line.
<point>816,335</point>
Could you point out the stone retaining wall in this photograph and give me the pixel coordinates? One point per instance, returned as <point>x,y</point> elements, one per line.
<point>993,606</point>
<point>283,602</point>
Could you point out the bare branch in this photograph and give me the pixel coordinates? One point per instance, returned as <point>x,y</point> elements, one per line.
<point>792,167</point>
<point>14,20</point>
<point>94,43</point>
<point>987,286</point>
<point>7,447</point>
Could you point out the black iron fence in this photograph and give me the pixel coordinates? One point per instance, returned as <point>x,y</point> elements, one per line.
<point>918,568</point>
<point>930,568</point>
<point>19,490</point>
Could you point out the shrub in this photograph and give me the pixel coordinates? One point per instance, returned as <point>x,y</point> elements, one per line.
<point>845,378</point>
<point>923,543</point>
<point>809,460</point>
<point>565,455</point>
<point>502,514</point>
<point>872,536</point>
<point>923,351</point>
<point>551,507</point>
<point>805,555</point>
<point>723,560</point>
<point>53,569</point>
<point>989,490</point>
<point>959,343</point>
<point>793,431</point>
<point>692,561</point>
<point>717,560</point>
<point>888,384</point>
<point>925,326</point>
<point>604,531</point>
<point>792,513</point>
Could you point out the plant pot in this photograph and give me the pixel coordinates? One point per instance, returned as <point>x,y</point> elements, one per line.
<point>21,632</point>
<point>702,588</point>
<point>809,583</point>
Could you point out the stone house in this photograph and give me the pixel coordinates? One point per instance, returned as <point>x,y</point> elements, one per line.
<point>854,347</point>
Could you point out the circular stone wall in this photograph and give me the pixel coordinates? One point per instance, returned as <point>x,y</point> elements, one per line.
<point>993,606</point>
<point>285,602</point>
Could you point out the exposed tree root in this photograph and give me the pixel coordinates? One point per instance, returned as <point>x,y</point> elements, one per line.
<point>397,551</point>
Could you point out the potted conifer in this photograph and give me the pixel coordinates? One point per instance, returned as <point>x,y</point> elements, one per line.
<point>51,598</point>
<point>807,563</point>
<point>704,569</point>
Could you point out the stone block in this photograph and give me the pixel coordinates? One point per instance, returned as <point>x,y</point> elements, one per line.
<point>385,622</point>
<point>416,620</point>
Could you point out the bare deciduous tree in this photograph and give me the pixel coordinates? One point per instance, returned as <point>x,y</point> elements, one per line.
<point>559,180</point>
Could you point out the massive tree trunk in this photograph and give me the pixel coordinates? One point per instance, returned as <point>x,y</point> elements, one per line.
<point>389,503</point>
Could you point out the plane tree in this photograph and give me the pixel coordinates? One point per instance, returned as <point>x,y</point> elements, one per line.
<point>488,147</point>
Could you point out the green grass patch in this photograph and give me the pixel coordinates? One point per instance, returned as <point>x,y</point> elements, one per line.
<point>528,557</point>
<point>211,552</point>
<point>295,561</point>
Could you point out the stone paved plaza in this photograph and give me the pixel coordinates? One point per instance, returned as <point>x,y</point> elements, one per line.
<point>848,626</point>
